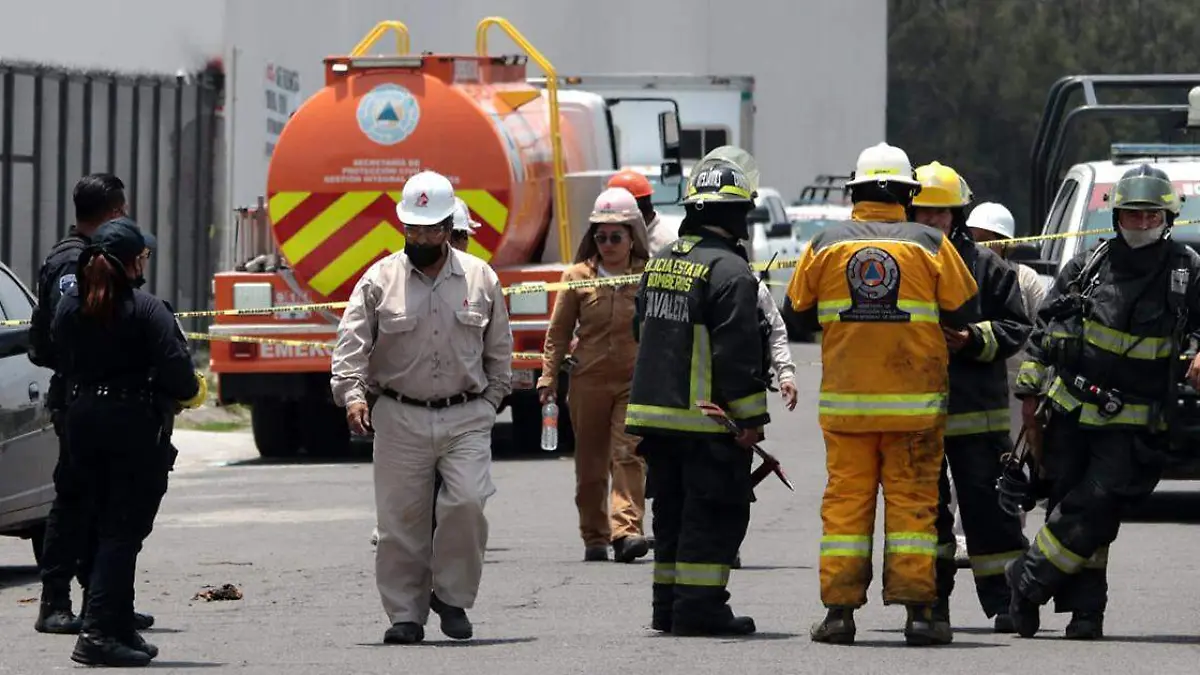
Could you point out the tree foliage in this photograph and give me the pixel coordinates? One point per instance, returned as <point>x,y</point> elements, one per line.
<point>968,79</point>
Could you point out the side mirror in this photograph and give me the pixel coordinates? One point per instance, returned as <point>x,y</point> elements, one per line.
<point>758,214</point>
<point>14,340</point>
<point>668,136</point>
<point>670,173</point>
<point>1023,252</point>
<point>779,230</point>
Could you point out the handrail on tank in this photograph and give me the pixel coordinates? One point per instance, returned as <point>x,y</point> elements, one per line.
<point>377,32</point>
<point>560,185</point>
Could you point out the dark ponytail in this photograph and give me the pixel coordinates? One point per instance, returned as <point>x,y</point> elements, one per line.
<point>100,279</point>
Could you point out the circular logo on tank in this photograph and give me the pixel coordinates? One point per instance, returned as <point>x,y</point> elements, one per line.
<point>873,273</point>
<point>388,114</point>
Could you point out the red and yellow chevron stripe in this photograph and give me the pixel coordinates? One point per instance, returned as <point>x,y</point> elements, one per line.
<point>331,238</point>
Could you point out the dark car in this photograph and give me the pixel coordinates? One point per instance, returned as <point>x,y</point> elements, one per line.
<point>28,444</point>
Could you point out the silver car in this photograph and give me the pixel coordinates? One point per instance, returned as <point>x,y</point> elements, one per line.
<point>28,444</point>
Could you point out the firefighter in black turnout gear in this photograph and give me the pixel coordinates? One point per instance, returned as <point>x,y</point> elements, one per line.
<point>978,423</point>
<point>699,340</point>
<point>1106,358</point>
<point>120,352</point>
<point>65,553</point>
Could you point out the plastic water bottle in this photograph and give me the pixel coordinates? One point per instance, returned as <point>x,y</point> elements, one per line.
<point>550,426</point>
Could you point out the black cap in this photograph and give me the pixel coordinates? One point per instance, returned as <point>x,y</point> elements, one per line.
<point>121,238</point>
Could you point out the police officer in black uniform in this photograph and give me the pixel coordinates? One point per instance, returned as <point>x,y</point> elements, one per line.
<point>699,340</point>
<point>1103,356</point>
<point>98,198</point>
<point>120,351</point>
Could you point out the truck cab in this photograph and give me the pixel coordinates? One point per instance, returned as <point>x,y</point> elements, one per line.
<point>1078,217</point>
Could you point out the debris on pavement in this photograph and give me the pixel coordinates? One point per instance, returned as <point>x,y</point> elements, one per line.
<point>223,592</point>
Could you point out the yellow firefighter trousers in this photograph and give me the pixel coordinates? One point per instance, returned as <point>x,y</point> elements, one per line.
<point>907,465</point>
<point>603,449</point>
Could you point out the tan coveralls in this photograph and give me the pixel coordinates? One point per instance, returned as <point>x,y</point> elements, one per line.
<point>427,339</point>
<point>599,393</point>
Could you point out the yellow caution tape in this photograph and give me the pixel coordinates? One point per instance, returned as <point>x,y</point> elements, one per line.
<point>260,340</point>
<point>622,280</point>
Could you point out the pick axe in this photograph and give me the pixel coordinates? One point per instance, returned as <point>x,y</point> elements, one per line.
<point>769,463</point>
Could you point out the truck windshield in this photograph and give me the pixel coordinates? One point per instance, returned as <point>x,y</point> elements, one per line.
<point>1187,227</point>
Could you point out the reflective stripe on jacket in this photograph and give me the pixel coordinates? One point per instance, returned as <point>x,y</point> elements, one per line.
<point>879,286</point>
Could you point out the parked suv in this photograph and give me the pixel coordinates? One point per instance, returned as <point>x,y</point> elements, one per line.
<point>28,444</point>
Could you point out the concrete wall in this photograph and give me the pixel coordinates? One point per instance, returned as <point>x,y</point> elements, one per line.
<point>820,65</point>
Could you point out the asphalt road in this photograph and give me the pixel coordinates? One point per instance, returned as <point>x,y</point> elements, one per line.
<point>295,539</point>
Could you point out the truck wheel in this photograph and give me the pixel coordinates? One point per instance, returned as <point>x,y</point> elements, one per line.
<point>276,434</point>
<point>326,433</point>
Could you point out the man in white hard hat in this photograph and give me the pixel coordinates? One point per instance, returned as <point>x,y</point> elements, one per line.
<point>428,328</point>
<point>993,222</point>
<point>464,226</point>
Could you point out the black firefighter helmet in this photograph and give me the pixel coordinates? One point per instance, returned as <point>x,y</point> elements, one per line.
<point>726,174</point>
<point>1145,188</point>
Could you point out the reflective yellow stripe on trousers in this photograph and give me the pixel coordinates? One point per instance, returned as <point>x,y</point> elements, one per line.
<point>912,543</point>
<point>881,404</point>
<point>1058,555</point>
<point>978,422</point>
<point>992,564</point>
<point>846,545</point>
<point>701,574</point>
<point>921,312</point>
<point>664,573</point>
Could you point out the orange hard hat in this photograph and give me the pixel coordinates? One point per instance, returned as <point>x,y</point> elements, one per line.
<point>634,182</point>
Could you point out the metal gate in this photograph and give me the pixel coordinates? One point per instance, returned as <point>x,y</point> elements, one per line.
<point>158,134</point>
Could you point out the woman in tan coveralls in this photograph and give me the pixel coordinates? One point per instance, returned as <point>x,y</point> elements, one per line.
<point>614,245</point>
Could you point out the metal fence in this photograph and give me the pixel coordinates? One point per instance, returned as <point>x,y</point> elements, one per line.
<point>158,134</point>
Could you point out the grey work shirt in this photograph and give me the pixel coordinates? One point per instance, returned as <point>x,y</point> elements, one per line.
<point>425,338</point>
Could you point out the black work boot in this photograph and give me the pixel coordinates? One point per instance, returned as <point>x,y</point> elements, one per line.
<point>404,633</point>
<point>595,554</point>
<point>837,628</point>
<point>54,613</point>
<point>727,626</point>
<point>142,621</point>
<point>1024,613</point>
<point>135,640</point>
<point>96,649</point>
<point>922,629</point>
<point>628,549</point>
<point>455,623</point>
<point>1085,626</point>
<point>1004,624</point>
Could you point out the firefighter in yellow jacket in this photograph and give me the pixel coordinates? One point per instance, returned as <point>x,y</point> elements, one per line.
<point>880,286</point>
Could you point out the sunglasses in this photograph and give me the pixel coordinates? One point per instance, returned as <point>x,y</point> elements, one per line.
<point>602,238</point>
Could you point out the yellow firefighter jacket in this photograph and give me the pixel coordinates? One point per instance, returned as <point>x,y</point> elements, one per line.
<point>880,288</point>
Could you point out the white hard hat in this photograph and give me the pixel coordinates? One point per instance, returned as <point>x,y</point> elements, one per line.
<point>615,205</point>
<point>993,217</point>
<point>462,217</point>
<point>427,199</point>
<point>883,162</point>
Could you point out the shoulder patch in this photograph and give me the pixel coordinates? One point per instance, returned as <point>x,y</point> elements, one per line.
<point>685,244</point>
<point>66,282</point>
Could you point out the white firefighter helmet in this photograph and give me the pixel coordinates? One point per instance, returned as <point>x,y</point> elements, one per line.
<point>615,205</point>
<point>427,199</point>
<point>993,217</point>
<point>462,217</point>
<point>883,163</point>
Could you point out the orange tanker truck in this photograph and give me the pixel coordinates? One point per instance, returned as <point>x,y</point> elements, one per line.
<point>526,158</point>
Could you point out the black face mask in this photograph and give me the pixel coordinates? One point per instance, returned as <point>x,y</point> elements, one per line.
<point>422,255</point>
<point>139,281</point>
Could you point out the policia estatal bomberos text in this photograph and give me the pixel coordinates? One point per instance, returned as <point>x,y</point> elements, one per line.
<point>1105,358</point>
